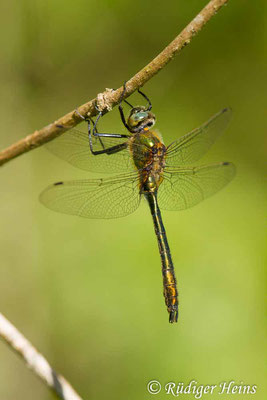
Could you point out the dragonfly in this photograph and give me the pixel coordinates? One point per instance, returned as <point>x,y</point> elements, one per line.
<point>163,175</point>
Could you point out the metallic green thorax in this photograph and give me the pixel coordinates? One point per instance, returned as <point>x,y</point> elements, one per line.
<point>148,154</point>
<point>142,146</point>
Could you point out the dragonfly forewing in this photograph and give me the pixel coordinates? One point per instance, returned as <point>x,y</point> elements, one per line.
<point>192,146</point>
<point>73,146</point>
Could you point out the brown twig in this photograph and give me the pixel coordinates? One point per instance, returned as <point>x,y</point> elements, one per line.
<point>108,99</point>
<point>36,361</point>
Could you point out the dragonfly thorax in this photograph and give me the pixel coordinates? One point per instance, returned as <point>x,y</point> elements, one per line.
<point>140,120</point>
<point>152,174</point>
<point>148,153</point>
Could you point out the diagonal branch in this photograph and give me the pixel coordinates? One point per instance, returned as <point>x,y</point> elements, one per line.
<point>110,98</point>
<point>35,361</point>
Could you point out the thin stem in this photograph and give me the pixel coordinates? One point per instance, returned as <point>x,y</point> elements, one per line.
<point>107,100</point>
<point>35,361</point>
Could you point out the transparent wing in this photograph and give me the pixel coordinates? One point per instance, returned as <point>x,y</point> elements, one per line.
<point>96,198</point>
<point>192,146</point>
<point>185,187</point>
<point>73,147</point>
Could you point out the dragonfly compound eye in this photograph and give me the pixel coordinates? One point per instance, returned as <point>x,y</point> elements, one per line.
<point>137,117</point>
<point>140,119</point>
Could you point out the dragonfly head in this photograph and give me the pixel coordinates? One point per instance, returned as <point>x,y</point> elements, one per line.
<point>140,119</point>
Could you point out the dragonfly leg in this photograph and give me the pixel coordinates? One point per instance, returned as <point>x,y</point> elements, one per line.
<point>81,116</point>
<point>147,99</point>
<point>95,133</point>
<point>109,150</point>
<point>126,101</point>
<point>129,104</point>
<point>112,135</point>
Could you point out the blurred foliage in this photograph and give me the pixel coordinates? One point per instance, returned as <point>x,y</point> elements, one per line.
<point>88,293</point>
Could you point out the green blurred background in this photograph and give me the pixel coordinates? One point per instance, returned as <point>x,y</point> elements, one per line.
<point>88,293</point>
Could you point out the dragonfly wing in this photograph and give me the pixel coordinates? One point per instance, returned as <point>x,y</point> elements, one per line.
<point>95,198</point>
<point>73,147</point>
<point>185,187</point>
<point>192,146</point>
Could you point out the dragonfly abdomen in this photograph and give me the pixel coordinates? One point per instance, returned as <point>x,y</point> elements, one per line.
<point>170,291</point>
